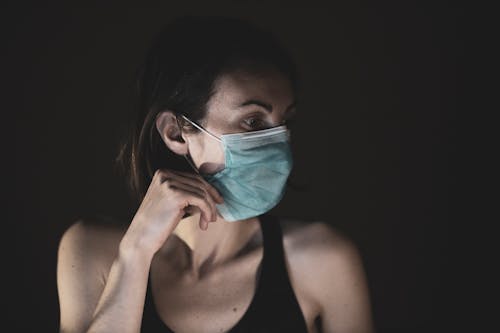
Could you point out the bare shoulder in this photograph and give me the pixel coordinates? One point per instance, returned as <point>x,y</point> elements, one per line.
<point>93,241</point>
<point>313,245</point>
<point>98,233</point>
<point>85,255</point>
<point>301,237</point>
<point>317,251</point>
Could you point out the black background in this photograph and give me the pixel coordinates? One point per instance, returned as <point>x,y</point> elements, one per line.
<point>373,136</point>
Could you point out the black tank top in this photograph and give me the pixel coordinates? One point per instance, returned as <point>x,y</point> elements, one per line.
<point>274,307</point>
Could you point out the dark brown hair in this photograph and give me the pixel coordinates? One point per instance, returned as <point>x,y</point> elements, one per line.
<point>180,69</point>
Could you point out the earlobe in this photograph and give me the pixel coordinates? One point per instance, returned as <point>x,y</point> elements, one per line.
<point>170,132</point>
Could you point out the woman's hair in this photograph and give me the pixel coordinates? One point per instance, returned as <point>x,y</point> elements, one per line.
<point>179,73</point>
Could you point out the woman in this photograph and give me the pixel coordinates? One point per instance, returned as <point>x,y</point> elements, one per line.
<point>208,157</point>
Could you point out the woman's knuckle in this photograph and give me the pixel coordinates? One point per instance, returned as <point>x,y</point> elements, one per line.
<point>167,186</point>
<point>181,203</point>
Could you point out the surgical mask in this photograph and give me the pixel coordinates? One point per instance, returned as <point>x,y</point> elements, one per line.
<point>257,166</point>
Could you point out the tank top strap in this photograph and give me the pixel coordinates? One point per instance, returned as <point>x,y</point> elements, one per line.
<point>151,322</point>
<point>275,307</point>
<point>274,257</point>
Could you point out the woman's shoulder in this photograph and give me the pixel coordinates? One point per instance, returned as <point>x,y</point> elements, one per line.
<point>317,247</point>
<point>310,235</point>
<point>96,230</point>
<point>93,239</point>
<point>320,252</point>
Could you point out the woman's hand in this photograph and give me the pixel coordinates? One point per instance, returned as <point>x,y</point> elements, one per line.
<point>170,195</point>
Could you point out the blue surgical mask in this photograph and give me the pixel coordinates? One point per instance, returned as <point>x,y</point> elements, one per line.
<point>257,166</point>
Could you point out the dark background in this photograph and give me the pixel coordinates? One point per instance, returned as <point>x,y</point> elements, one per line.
<point>372,140</point>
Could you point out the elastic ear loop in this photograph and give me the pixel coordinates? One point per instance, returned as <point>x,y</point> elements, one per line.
<point>187,156</point>
<point>201,128</point>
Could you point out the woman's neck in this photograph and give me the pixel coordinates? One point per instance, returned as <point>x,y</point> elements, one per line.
<point>200,251</point>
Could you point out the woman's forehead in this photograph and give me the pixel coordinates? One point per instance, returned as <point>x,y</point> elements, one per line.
<point>233,89</point>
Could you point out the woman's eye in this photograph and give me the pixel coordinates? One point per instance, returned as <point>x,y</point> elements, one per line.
<point>253,122</point>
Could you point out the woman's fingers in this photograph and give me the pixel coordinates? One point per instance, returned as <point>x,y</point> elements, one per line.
<point>197,179</point>
<point>203,224</point>
<point>205,202</point>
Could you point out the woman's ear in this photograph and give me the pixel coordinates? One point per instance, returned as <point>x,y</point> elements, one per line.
<point>171,134</point>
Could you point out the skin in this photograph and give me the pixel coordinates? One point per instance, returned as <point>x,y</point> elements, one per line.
<point>202,267</point>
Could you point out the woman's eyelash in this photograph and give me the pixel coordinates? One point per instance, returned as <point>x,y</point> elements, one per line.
<point>252,121</point>
<point>256,120</point>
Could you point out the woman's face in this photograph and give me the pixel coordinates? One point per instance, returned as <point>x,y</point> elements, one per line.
<point>242,102</point>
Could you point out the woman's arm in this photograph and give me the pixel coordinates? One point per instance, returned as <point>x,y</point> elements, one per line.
<point>89,305</point>
<point>88,301</point>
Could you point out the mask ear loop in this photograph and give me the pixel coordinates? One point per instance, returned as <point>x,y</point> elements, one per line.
<point>201,128</point>
<point>187,156</point>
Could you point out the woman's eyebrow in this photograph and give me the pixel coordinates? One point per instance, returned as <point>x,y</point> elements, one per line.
<point>265,105</point>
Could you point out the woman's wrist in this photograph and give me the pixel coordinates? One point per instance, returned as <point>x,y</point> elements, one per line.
<point>133,253</point>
